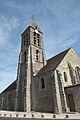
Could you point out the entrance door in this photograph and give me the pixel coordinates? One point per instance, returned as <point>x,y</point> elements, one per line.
<point>71,103</point>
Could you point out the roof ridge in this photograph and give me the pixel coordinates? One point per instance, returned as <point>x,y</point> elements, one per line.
<point>54,61</point>
<point>59,53</point>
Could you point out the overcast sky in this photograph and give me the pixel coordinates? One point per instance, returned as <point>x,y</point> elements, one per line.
<point>59,20</point>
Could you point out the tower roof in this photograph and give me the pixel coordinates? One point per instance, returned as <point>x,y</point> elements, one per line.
<point>35,26</point>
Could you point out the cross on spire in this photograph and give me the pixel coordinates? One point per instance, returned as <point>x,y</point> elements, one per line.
<point>33,19</point>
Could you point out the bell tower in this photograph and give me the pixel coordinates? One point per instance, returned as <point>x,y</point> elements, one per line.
<point>37,48</point>
<point>31,60</point>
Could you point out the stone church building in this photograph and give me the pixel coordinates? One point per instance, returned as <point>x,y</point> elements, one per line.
<point>51,86</point>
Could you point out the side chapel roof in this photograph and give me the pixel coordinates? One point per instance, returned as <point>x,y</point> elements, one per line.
<point>53,62</point>
<point>10,87</point>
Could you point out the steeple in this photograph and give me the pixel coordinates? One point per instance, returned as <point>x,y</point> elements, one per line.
<point>36,40</point>
<point>32,59</point>
<point>33,37</point>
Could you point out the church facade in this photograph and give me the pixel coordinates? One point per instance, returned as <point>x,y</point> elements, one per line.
<point>51,86</point>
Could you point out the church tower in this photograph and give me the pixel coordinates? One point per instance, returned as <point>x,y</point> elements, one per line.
<point>31,60</point>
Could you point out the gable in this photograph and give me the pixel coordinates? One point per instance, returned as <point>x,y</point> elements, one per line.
<point>35,26</point>
<point>53,62</point>
<point>72,58</point>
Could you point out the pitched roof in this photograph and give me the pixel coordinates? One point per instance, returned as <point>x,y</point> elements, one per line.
<point>34,24</point>
<point>53,62</point>
<point>10,87</point>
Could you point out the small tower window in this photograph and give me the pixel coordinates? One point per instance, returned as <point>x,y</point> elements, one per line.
<point>37,55</point>
<point>38,42</point>
<point>65,77</point>
<point>42,83</point>
<point>34,33</point>
<point>34,40</point>
<point>27,42</point>
<point>38,39</point>
<point>36,27</point>
<point>24,56</point>
<point>24,41</point>
<point>37,35</point>
<point>34,37</point>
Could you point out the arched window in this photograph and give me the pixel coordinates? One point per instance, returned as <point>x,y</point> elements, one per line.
<point>37,55</point>
<point>77,71</point>
<point>42,83</point>
<point>36,27</point>
<point>24,43</point>
<point>38,42</point>
<point>65,77</point>
<point>34,37</point>
<point>27,42</point>
<point>24,56</point>
<point>38,39</point>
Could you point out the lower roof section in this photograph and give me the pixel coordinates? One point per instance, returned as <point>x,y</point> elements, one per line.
<point>10,87</point>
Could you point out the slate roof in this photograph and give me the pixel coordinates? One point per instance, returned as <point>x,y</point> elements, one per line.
<point>53,62</point>
<point>10,87</point>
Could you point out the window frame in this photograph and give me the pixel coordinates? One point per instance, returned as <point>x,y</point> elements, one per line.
<point>40,84</point>
<point>36,39</point>
<point>37,55</point>
<point>65,77</point>
<point>25,58</point>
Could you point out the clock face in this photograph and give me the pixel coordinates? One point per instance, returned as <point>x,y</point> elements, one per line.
<point>36,31</point>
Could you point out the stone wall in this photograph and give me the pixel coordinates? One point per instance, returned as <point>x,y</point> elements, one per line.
<point>44,97</point>
<point>8,100</point>
<point>75,91</point>
<point>7,97</point>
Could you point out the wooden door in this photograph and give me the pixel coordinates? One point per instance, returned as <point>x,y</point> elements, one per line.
<point>71,103</point>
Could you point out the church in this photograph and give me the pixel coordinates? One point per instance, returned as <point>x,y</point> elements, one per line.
<point>49,86</point>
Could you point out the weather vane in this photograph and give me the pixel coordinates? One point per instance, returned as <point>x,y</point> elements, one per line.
<point>33,19</point>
